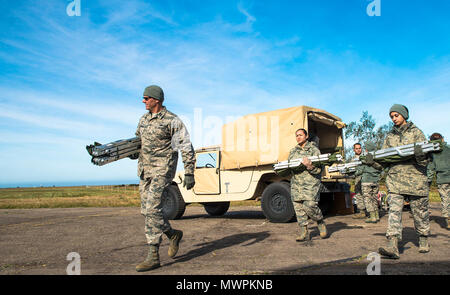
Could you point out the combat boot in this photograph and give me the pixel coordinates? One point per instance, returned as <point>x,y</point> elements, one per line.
<point>322,229</point>
<point>152,260</point>
<point>377,214</point>
<point>174,236</point>
<point>360,215</point>
<point>391,250</point>
<point>372,218</point>
<point>424,247</point>
<point>303,234</point>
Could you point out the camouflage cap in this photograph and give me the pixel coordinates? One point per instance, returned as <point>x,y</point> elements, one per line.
<point>401,109</point>
<point>155,92</point>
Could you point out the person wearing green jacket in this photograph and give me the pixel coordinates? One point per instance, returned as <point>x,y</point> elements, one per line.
<point>440,165</point>
<point>370,176</point>
<point>359,198</point>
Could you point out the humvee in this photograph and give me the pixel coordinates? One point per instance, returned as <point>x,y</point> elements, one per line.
<point>241,168</point>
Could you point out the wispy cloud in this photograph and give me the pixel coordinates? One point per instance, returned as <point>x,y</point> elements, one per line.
<point>71,80</point>
<point>249,19</point>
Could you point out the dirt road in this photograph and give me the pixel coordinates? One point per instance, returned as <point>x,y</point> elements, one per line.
<point>111,241</point>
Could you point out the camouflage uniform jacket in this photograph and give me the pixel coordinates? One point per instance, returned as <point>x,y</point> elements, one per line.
<point>440,163</point>
<point>407,177</point>
<point>306,184</point>
<point>368,174</point>
<point>162,135</point>
<point>358,171</point>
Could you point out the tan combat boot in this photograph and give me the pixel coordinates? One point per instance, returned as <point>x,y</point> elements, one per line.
<point>391,250</point>
<point>377,213</point>
<point>322,229</point>
<point>424,246</point>
<point>372,218</point>
<point>360,215</point>
<point>152,260</point>
<point>175,237</point>
<point>303,234</point>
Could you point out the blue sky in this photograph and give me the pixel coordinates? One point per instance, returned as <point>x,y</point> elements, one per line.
<point>68,81</point>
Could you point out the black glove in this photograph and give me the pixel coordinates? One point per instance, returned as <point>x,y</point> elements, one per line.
<point>418,152</point>
<point>89,148</point>
<point>134,156</point>
<point>189,181</point>
<point>368,160</point>
<point>299,169</point>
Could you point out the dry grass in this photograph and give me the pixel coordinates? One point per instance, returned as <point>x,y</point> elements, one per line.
<point>81,196</point>
<point>434,194</point>
<point>67,197</point>
<point>96,196</point>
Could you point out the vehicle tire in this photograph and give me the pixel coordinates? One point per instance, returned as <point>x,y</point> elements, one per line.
<point>173,203</point>
<point>276,202</point>
<point>216,208</point>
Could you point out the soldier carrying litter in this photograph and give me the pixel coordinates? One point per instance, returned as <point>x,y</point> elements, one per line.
<point>440,165</point>
<point>305,187</point>
<point>359,199</point>
<point>370,176</point>
<point>162,135</point>
<point>405,180</point>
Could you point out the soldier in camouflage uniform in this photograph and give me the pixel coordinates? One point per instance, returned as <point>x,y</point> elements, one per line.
<point>359,199</point>
<point>305,186</point>
<point>406,180</point>
<point>370,175</point>
<point>440,165</point>
<point>162,135</point>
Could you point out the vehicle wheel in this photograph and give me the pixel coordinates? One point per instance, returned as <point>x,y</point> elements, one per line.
<point>276,202</point>
<point>216,208</point>
<point>173,203</point>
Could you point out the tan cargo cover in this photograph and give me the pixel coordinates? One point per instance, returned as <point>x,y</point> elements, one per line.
<point>266,138</point>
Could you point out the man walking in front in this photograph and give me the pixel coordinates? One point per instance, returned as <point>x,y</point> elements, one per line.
<point>162,135</point>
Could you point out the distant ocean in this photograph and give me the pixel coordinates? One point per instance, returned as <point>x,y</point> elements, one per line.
<point>68,183</point>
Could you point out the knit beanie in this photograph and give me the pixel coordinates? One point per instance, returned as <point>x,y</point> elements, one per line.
<point>155,92</point>
<point>401,109</point>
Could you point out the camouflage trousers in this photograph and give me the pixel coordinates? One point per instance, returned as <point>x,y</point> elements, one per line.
<point>359,198</point>
<point>151,191</point>
<point>420,211</point>
<point>370,192</point>
<point>444,192</point>
<point>307,208</point>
